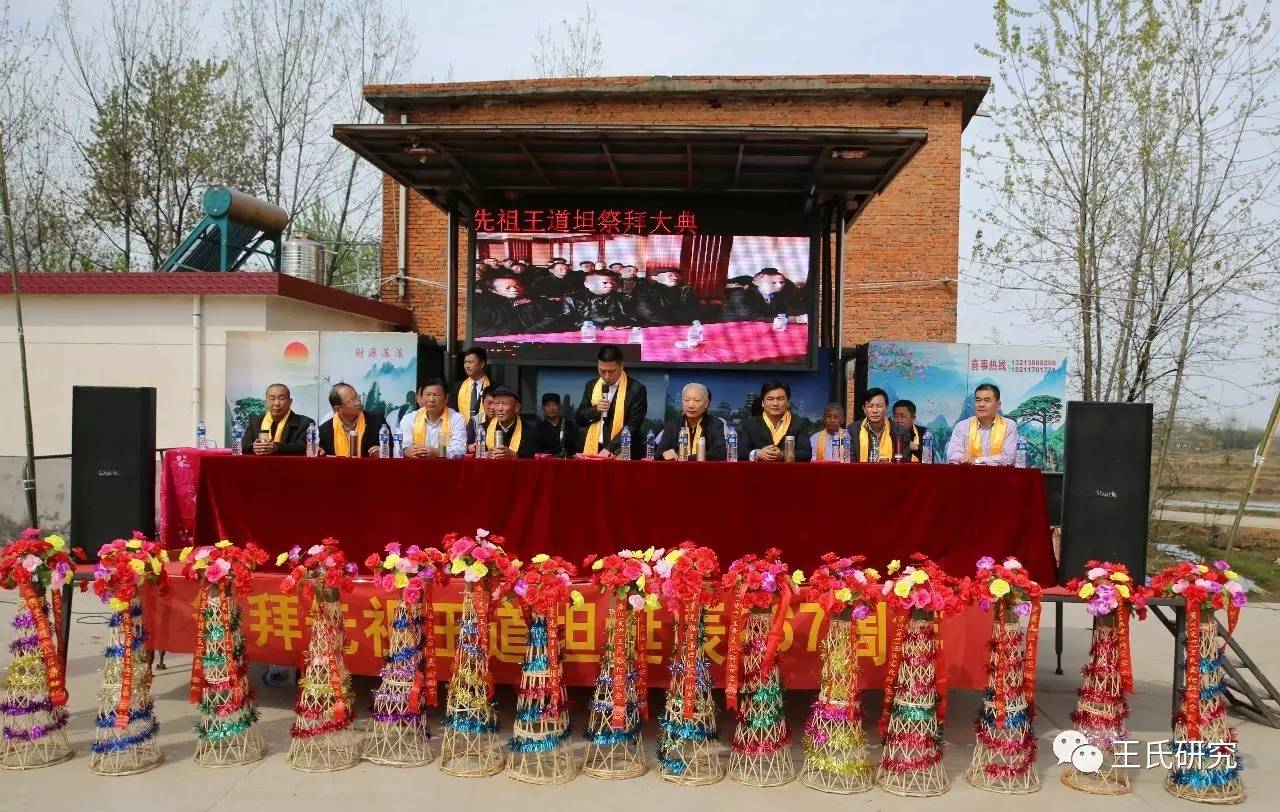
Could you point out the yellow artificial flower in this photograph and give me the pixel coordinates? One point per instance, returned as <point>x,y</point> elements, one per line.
<point>797,577</point>
<point>1086,591</point>
<point>117,605</point>
<point>186,552</point>
<point>540,557</point>
<point>516,563</point>
<point>844,594</point>
<point>651,601</point>
<point>201,563</point>
<point>919,576</point>
<point>401,580</point>
<point>649,553</point>
<point>56,542</point>
<point>479,569</point>
<point>224,544</point>
<point>132,544</point>
<point>164,556</point>
<point>640,582</point>
<point>577,598</point>
<point>597,564</point>
<point>1123,590</point>
<point>902,588</point>
<point>137,565</point>
<point>1119,576</point>
<point>1231,575</point>
<point>155,566</point>
<point>280,559</point>
<point>893,567</point>
<point>389,563</point>
<point>674,555</point>
<point>458,566</point>
<point>1202,568</point>
<point>999,587</point>
<point>872,574</point>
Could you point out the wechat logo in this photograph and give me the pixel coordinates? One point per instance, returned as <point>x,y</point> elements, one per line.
<point>1071,747</point>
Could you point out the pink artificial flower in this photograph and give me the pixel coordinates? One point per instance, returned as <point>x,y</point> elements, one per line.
<point>481,533</point>
<point>30,562</point>
<point>986,562</point>
<point>636,602</point>
<point>921,598</point>
<point>215,571</point>
<point>861,611</point>
<point>316,549</point>
<point>1022,609</point>
<point>288,584</point>
<point>393,548</point>
<point>461,547</point>
<point>1096,573</point>
<point>1012,564</point>
<point>482,553</point>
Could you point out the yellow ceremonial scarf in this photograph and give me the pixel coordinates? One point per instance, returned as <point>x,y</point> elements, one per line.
<point>694,434</point>
<point>279,427</point>
<point>492,432</point>
<point>464,395</point>
<point>864,440</point>
<point>341,445</point>
<point>594,440</point>
<point>420,428</point>
<point>823,441</point>
<point>975,439</point>
<point>779,431</point>
<point>915,432</point>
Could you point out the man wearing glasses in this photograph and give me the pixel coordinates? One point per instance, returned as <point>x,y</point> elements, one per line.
<point>352,432</point>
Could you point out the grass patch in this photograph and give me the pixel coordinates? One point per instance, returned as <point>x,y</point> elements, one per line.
<point>1256,555</point>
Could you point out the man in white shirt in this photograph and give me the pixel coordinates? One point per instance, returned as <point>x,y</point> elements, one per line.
<point>987,438</point>
<point>434,430</point>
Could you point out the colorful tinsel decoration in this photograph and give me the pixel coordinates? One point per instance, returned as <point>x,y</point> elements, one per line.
<point>126,726</point>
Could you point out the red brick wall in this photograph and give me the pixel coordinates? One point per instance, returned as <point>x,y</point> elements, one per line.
<point>910,232</point>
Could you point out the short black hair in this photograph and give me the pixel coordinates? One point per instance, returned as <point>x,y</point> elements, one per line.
<point>772,384</point>
<point>875,391</point>
<point>833,407</point>
<point>616,265</point>
<point>603,272</point>
<point>587,262</point>
<point>768,272</point>
<point>905,404</point>
<point>433,382</point>
<point>489,279</point>
<point>335,399</point>
<point>658,271</point>
<point>550,397</point>
<point>478,352</point>
<point>990,387</point>
<point>609,353</point>
<point>487,392</point>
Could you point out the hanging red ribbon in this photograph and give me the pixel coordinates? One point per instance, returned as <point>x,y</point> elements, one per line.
<point>853,666</point>
<point>419,678</point>
<point>126,669</point>
<point>197,658</point>
<point>692,617</point>
<point>555,676</point>
<point>334,656</point>
<point>429,648</point>
<point>1233,615</point>
<point>44,639</point>
<point>55,600</point>
<point>776,630</point>
<point>1191,665</point>
<point>480,596</point>
<point>227,607</point>
<point>891,673</point>
<point>1122,640</point>
<point>618,650</point>
<point>997,642</point>
<point>642,661</point>
<point>940,672</point>
<point>1031,657</point>
<point>733,654</point>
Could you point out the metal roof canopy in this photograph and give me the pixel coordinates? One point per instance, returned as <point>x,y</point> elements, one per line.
<point>466,167</point>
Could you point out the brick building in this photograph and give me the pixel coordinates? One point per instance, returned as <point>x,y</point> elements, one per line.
<point>879,155</point>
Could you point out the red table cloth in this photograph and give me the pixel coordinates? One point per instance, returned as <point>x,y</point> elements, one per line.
<point>727,342</point>
<point>954,514</point>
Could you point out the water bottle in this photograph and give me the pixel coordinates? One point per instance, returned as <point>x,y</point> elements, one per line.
<point>636,336</point>
<point>650,447</point>
<point>926,448</point>
<point>731,441</point>
<point>237,437</point>
<point>780,323</point>
<point>384,442</point>
<point>1020,455</point>
<point>397,446</point>
<point>696,334</point>
<point>683,444</point>
<point>625,450</point>
<point>873,448</point>
<point>480,440</point>
<point>588,334</point>
<point>313,441</point>
<point>842,447</point>
<point>202,435</point>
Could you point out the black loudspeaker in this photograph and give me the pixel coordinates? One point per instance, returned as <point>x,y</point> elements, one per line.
<point>113,464</point>
<point>1106,486</point>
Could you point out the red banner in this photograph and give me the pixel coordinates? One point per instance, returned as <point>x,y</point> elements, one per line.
<point>276,631</point>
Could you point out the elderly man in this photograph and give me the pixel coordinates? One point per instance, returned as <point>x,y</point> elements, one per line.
<point>504,309</point>
<point>610,402</point>
<point>434,430</point>
<point>833,433</point>
<point>904,424</point>
<point>763,438</point>
<point>277,430</point>
<point>872,435</point>
<point>666,300</point>
<point>987,438</point>
<point>508,435</point>
<point>695,399</point>
<point>352,432</point>
<point>599,302</point>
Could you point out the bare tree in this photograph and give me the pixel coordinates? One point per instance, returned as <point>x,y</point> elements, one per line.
<point>575,50</point>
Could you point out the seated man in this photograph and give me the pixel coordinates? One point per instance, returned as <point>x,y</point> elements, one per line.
<point>485,414</point>
<point>609,402</point>
<point>824,442</point>
<point>630,280</point>
<point>503,309</point>
<point>762,438</point>
<point>434,430</point>
<point>987,438</point>
<point>517,438</point>
<point>556,435</point>
<point>666,300</point>
<point>771,294</point>
<point>872,435</point>
<point>557,282</point>
<point>598,302</point>
<point>904,422</point>
<point>277,430</point>
<point>695,399</point>
<point>356,432</point>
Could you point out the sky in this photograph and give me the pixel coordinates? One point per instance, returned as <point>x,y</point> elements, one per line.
<point>494,40</point>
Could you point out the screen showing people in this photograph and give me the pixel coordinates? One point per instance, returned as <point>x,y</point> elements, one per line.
<point>690,298</point>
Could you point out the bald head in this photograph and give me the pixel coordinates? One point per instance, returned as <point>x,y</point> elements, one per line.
<point>279,401</point>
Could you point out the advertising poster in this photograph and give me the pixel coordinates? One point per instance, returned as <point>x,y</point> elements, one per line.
<point>255,360</point>
<point>383,368</point>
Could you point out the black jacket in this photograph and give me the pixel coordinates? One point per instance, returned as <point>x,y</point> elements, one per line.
<point>712,430</point>
<point>373,423</point>
<point>609,310</point>
<point>549,437</point>
<point>637,406</point>
<point>528,439</point>
<point>658,304</point>
<point>553,287</point>
<point>499,316</point>
<point>748,305</point>
<point>753,435</point>
<point>293,443</point>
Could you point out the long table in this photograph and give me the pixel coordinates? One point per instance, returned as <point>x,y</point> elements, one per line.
<point>954,514</point>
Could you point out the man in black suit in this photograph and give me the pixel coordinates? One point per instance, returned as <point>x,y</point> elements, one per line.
<point>770,295</point>
<point>609,403</point>
<point>509,435</point>
<point>556,435</point>
<point>695,399</point>
<point>599,302</point>
<point>762,439</point>
<point>666,300</point>
<point>353,422</point>
<point>278,430</point>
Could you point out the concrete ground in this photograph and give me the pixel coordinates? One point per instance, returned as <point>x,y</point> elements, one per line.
<point>178,785</point>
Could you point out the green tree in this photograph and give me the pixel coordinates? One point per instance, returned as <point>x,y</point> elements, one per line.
<point>354,260</point>
<point>1042,409</point>
<point>372,400</point>
<point>246,408</point>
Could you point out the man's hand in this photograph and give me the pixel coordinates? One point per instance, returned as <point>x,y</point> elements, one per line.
<point>415,451</point>
<point>471,449</point>
<point>262,447</point>
<point>374,452</point>
<point>503,453</point>
<point>770,453</point>
<point>669,454</point>
<point>605,453</point>
<point>914,446</point>
<point>602,406</point>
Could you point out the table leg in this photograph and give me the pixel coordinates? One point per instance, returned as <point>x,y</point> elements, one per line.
<point>1057,635</point>
<point>64,623</point>
<point>1179,652</point>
